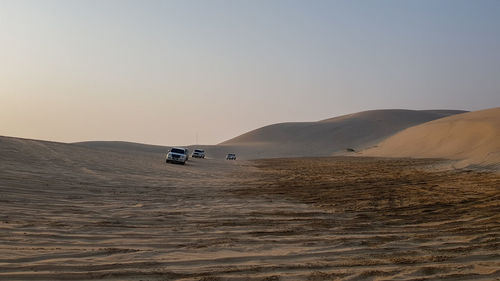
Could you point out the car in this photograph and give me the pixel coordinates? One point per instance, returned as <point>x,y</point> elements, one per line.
<point>231,156</point>
<point>177,155</point>
<point>198,153</point>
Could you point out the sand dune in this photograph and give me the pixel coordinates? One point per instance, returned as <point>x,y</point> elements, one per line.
<point>297,139</point>
<point>472,138</point>
<point>323,138</point>
<point>71,212</point>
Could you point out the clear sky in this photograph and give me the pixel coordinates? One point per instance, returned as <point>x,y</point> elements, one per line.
<point>162,72</point>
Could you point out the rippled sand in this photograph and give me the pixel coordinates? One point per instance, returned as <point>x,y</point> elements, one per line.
<point>74,213</point>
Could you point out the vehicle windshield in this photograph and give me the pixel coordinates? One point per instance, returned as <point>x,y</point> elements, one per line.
<point>177,150</point>
<point>198,150</point>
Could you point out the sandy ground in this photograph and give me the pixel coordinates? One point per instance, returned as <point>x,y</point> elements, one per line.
<point>75,213</point>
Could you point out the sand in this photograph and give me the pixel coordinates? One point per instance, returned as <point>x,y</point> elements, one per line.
<point>473,139</point>
<point>328,137</point>
<point>324,138</point>
<point>71,212</point>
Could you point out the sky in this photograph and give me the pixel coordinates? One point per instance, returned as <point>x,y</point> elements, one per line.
<point>185,72</point>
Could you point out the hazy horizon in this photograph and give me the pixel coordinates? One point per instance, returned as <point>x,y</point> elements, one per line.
<point>164,72</point>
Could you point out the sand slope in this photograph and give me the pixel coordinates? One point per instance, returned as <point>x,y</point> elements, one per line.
<point>473,138</point>
<point>323,138</point>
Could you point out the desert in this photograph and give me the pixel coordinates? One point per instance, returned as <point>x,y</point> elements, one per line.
<point>117,211</point>
<point>219,140</point>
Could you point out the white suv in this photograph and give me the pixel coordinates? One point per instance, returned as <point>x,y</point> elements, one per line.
<point>198,153</point>
<point>177,155</point>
